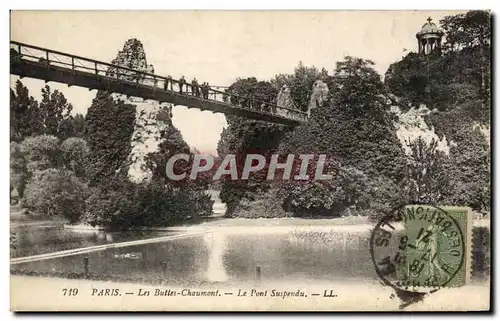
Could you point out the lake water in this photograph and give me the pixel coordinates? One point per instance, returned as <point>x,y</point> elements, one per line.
<point>225,256</point>
<point>33,238</point>
<point>40,239</point>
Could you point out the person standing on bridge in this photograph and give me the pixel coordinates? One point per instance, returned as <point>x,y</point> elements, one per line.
<point>182,82</point>
<point>204,90</point>
<point>207,90</point>
<point>225,96</point>
<point>168,80</point>
<point>195,87</point>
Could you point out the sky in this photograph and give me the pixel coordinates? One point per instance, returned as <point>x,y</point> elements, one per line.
<point>219,46</point>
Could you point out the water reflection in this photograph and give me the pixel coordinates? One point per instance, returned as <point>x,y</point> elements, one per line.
<point>216,244</point>
<point>31,240</point>
<point>227,256</point>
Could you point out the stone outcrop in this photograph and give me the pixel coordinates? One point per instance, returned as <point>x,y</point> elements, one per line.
<point>151,119</point>
<point>132,56</point>
<point>284,98</point>
<point>411,125</point>
<point>319,95</point>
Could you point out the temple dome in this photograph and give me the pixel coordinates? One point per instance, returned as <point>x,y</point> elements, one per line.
<point>430,27</point>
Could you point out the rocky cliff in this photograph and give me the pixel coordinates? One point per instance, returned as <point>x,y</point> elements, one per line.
<point>412,124</point>
<point>319,95</point>
<point>138,135</point>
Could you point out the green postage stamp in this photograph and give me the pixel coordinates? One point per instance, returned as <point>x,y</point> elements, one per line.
<point>432,250</point>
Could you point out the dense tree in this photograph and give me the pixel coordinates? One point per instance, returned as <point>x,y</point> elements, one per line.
<point>41,152</point>
<point>462,74</point>
<point>72,127</point>
<point>55,110</point>
<point>357,86</point>
<point>75,154</point>
<point>18,170</point>
<point>429,177</point>
<point>109,126</point>
<point>25,117</point>
<point>354,131</point>
<point>78,126</point>
<point>467,30</point>
<point>470,170</point>
<point>301,83</point>
<point>56,192</point>
<point>120,204</point>
<point>472,32</point>
<point>242,137</point>
<point>326,198</point>
<point>51,116</point>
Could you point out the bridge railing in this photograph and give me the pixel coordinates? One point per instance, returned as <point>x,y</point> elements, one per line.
<point>77,63</point>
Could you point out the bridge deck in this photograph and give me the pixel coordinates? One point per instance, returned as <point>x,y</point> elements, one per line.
<point>45,64</point>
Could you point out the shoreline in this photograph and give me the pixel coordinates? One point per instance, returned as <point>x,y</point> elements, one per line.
<point>359,223</point>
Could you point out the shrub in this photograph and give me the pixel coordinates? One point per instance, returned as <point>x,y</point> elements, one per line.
<point>57,193</point>
<point>74,153</point>
<point>109,205</point>
<point>41,152</point>
<point>121,205</point>
<point>18,171</point>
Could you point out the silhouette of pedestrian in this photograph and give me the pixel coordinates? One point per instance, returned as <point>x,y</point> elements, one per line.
<point>182,82</point>
<point>204,90</point>
<point>195,88</point>
<point>207,90</point>
<point>225,96</point>
<point>168,81</point>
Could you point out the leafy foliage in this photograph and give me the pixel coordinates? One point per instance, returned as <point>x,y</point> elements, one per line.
<point>356,132</point>
<point>41,152</point>
<point>57,193</point>
<point>18,170</point>
<point>121,205</point>
<point>470,171</point>
<point>72,127</point>
<point>301,83</point>
<point>326,198</point>
<point>428,172</point>
<point>242,137</point>
<point>467,30</point>
<point>25,117</point>
<point>51,116</point>
<point>75,155</point>
<point>109,126</point>
<point>55,110</point>
<point>462,74</point>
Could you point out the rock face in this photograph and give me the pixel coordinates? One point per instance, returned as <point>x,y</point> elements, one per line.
<point>485,130</point>
<point>411,125</point>
<point>151,119</point>
<point>319,95</point>
<point>284,98</point>
<point>132,56</point>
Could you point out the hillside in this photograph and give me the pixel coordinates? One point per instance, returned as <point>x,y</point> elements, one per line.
<point>421,136</point>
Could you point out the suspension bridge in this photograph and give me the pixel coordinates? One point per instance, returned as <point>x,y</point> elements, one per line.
<point>51,65</point>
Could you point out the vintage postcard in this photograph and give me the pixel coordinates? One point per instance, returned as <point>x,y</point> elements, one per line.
<point>250,160</point>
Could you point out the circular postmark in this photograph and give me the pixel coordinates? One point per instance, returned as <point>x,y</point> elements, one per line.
<point>420,251</point>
